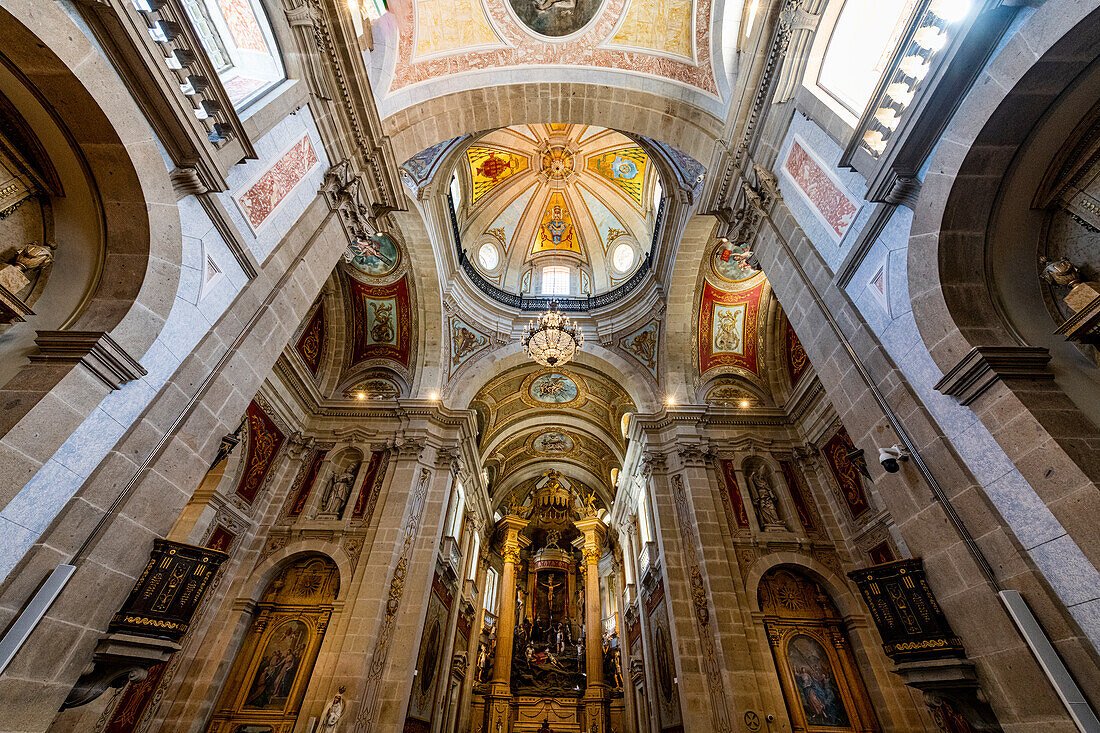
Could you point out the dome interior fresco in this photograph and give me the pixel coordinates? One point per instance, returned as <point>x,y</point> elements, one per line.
<point>578,197</point>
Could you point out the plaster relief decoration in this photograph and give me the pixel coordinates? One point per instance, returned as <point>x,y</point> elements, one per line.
<point>447,25</point>
<point>796,355</point>
<point>642,344</point>
<point>466,342</point>
<point>376,255</point>
<point>264,441</point>
<point>672,42</point>
<point>828,199</point>
<point>375,387</point>
<point>311,344</point>
<point>490,167</point>
<point>429,661</point>
<point>381,322</point>
<point>845,472</point>
<point>733,492</point>
<point>625,168</point>
<point>728,329</point>
<point>373,476</point>
<point>263,197</point>
<point>664,26</point>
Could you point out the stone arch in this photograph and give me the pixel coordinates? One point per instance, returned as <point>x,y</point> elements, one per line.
<point>952,269</point>
<point>269,568</point>
<point>141,243</point>
<point>846,602</point>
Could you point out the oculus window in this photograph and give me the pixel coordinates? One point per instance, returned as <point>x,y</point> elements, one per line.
<point>237,36</point>
<point>555,280</point>
<point>623,257</point>
<point>488,256</point>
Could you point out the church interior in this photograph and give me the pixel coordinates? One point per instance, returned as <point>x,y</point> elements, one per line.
<point>549,366</point>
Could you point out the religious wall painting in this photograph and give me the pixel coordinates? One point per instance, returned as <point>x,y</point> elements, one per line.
<point>260,200</point>
<point>726,265</point>
<point>376,255</point>
<point>489,167</point>
<point>816,683</point>
<point>466,342</point>
<point>798,496</point>
<point>418,169</point>
<point>264,440</point>
<point>221,538</point>
<point>553,442</point>
<point>829,201</point>
<point>728,330</point>
<point>448,25</point>
<point>556,231</point>
<point>429,661</point>
<point>555,18</point>
<point>642,344</point>
<point>846,473</point>
<point>369,489</point>
<point>669,714</point>
<point>664,27</point>
<point>797,361</point>
<point>310,345</point>
<point>273,678</point>
<point>733,493</point>
<point>625,169</point>
<point>554,388</point>
<point>381,322</point>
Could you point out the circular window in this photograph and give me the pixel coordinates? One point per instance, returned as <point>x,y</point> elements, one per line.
<point>623,257</point>
<point>488,256</point>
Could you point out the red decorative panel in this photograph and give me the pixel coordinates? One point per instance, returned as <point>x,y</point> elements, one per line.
<point>220,539</point>
<point>368,492</point>
<point>311,343</point>
<point>736,501</point>
<point>440,589</point>
<point>265,195</point>
<point>306,484</point>
<point>381,322</point>
<point>634,635</point>
<point>728,328</point>
<point>881,553</point>
<point>796,355</point>
<point>845,472</point>
<point>464,628</point>
<point>412,725</point>
<point>264,441</point>
<point>132,705</point>
<point>655,598</point>
<point>830,201</point>
<point>794,486</point>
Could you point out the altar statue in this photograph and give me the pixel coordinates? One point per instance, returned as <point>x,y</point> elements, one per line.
<point>550,587</point>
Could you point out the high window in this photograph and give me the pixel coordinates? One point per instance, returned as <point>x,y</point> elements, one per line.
<point>237,36</point>
<point>555,280</point>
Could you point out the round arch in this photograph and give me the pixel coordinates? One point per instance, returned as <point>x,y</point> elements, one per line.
<point>268,568</point>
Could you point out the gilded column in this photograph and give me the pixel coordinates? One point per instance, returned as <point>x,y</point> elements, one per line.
<point>500,690</point>
<point>595,696</point>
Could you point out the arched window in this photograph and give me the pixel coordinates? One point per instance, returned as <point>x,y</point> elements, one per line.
<point>237,36</point>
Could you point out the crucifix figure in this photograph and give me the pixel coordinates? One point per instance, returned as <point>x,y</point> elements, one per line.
<point>550,587</point>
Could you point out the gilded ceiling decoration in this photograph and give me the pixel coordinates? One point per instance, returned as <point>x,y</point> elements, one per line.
<point>642,344</point>
<point>797,361</point>
<point>311,344</point>
<point>729,332</point>
<point>467,341</point>
<point>572,196</point>
<point>381,322</point>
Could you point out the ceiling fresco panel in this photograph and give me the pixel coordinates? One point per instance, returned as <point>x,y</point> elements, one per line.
<point>728,328</point>
<point>664,26</point>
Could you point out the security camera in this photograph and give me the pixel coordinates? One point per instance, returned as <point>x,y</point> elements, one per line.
<point>890,457</point>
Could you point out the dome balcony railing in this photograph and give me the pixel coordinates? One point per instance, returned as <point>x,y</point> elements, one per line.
<point>570,304</point>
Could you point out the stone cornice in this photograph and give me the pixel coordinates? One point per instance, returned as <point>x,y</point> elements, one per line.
<point>984,366</point>
<point>96,350</point>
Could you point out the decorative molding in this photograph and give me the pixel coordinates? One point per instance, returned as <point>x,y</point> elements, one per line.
<point>984,366</point>
<point>96,350</point>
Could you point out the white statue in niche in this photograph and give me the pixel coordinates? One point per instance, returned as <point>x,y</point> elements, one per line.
<point>767,503</point>
<point>27,259</point>
<point>336,498</point>
<point>331,717</point>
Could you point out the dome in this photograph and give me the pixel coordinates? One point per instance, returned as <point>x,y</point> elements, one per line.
<point>555,209</point>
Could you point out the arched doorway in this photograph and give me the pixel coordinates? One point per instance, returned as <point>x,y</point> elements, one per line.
<point>821,683</point>
<point>264,690</point>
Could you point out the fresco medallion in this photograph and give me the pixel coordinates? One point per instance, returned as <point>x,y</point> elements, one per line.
<point>375,255</point>
<point>553,389</point>
<point>555,18</point>
<point>553,443</point>
<point>726,265</point>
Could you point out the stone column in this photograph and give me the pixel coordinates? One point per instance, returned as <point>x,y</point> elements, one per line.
<point>595,696</point>
<point>500,690</point>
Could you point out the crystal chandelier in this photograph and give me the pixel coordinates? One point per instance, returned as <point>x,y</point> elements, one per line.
<point>553,339</point>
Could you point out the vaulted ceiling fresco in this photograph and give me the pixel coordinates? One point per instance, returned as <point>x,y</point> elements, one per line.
<point>673,41</point>
<point>576,195</point>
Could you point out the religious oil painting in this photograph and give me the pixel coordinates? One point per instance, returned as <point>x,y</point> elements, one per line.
<point>554,389</point>
<point>376,255</point>
<point>273,679</point>
<point>816,683</point>
<point>555,18</point>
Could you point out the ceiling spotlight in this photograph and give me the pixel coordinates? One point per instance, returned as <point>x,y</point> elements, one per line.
<point>671,400</point>
<point>360,395</point>
<point>744,403</point>
<point>434,396</point>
